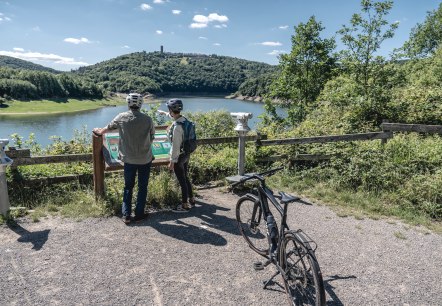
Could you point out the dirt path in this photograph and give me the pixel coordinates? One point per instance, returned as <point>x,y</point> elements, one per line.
<point>200,259</point>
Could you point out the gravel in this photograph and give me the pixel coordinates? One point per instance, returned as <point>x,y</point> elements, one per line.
<point>199,258</point>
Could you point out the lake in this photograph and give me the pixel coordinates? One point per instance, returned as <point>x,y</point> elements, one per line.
<point>45,126</point>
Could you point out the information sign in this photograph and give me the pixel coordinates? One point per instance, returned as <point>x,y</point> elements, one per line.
<point>160,148</point>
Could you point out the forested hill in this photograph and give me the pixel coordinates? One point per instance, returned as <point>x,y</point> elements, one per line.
<point>158,72</point>
<point>12,62</point>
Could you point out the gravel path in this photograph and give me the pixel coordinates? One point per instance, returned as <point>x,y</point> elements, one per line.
<point>199,258</point>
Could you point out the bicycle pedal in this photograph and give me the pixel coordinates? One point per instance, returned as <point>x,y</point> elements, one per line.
<point>258,266</point>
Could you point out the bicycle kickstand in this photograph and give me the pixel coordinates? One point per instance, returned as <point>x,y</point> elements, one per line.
<point>266,283</point>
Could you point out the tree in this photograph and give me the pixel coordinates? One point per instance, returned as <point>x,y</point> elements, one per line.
<point>363,39</point>
<point>425,38</point>
<point>305,70</point>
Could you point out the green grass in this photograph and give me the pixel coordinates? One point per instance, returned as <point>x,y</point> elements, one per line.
<point>346,203</point>
<point>55,106</point>
<point>399,235</point>
<point>82,205</point>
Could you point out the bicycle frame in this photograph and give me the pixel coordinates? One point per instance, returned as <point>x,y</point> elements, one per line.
<point>265,194</point>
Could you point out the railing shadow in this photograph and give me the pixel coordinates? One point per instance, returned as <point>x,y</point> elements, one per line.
<point>329,289</point>
<point>38,239</point>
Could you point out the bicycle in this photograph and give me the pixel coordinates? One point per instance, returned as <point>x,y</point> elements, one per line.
<point>292,252</point>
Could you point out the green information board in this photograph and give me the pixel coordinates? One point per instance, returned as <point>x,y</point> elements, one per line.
<point>160,148</point>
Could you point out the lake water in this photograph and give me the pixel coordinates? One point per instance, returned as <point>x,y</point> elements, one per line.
<point>45,126</point>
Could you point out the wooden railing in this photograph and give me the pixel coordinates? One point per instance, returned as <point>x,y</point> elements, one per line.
<point>419,128</point>
<point>22,157</point>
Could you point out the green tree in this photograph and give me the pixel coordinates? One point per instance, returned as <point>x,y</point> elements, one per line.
<point>304,70</point>
<point>363,39</point>
<point>426,37</point>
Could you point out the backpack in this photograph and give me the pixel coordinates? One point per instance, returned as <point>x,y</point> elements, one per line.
<point>189,140</point>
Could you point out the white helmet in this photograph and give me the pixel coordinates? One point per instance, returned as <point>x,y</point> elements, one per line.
<point>134,100</point>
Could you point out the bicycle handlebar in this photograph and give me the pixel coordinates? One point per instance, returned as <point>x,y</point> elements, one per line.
<point>258,176</point>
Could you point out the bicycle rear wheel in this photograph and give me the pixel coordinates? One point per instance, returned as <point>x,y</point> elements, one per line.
<point>251,224</point>
<point>302,275</point>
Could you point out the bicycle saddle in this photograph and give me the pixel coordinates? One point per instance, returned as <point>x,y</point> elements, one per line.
<point>287,198</point>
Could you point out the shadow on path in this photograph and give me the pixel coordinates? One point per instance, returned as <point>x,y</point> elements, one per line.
<point>38,239</point>
<point>174,224</point>
<point>329,289</point>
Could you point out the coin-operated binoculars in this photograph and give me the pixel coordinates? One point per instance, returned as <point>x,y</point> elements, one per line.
<point>242,128</point>
<point>4,162</point>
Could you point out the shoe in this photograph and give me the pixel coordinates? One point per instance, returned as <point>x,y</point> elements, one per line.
<point>141,218</point>
<point>181,208</point>
<point>126,219</point>
<point>192,202</point>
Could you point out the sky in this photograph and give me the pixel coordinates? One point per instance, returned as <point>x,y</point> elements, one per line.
<point>67,34</point>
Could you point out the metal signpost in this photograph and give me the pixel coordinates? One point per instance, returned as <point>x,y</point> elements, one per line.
<point>4,162</point>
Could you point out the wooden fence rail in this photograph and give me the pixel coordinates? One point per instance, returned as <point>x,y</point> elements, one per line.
<point>328,138</point>
<point>420,128</point>
<point>22,157</point>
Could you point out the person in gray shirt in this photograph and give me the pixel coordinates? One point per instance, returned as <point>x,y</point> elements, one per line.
<point>137,132</point>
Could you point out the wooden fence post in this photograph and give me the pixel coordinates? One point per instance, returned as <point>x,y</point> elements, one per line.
<point>384,140</point>
<point>98,164</point>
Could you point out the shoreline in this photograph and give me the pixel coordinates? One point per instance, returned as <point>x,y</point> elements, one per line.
<point>120,101</point>
<point>106,102</point>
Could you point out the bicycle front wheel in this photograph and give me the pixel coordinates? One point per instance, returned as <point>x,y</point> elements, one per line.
<point>302,276</point>
<point>251,224</point>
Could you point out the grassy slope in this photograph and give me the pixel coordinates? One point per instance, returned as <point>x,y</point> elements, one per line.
<point>55,106</point>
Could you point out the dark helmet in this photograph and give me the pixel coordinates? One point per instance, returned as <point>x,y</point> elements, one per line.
<point>175,105</point>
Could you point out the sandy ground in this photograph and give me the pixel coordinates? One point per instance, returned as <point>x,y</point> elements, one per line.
<point>199,258</point>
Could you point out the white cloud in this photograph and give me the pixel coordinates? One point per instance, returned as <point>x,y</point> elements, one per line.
<point>220,26</point>
<point>276,52</point>
<point>217,44</point>
<point>270,43</point>
<point>202,37</point>
<point>18,49</point>
<point>219,18</point>
<point>201,21</point>
<point>284,27</point>
<point>125,47</point>
<point>145,7</point>
<point>176,12</point>
<point>4,18</point>
<point>159,32</point>
<point>36,29</point>
<point>37,56</point>
<point>159,1</point>
<point>198,25</point>
<point>77,41</point>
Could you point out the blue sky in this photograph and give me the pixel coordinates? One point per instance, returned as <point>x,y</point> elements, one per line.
<point>66,34</point>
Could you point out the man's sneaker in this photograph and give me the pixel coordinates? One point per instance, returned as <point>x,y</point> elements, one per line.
<point>181,208</point>
<point>141,218</point>
<point>126,219</point>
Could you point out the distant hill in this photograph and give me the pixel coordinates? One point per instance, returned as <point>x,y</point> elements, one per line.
<point>157,72</point>
<point>16,63</point>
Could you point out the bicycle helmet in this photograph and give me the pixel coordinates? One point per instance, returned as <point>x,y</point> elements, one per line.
<point>134,100</point>
<point>175,105</point>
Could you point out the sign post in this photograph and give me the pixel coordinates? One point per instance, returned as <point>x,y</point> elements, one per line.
<point>106,157</point>
<point>4,162</point>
